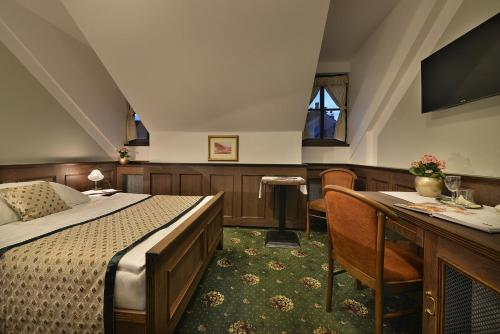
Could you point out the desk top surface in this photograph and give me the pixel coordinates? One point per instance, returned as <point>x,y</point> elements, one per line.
<point>485,243</point>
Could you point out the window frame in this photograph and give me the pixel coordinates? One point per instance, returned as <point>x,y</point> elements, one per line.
<point>139,141</point>
<point>325,141</point>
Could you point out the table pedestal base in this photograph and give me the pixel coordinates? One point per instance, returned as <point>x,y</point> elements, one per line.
<point>283,239</point>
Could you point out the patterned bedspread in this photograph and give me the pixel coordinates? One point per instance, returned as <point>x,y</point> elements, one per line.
<point>63,282</point>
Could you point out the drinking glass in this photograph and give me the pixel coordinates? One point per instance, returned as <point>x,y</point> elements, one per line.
<point>452,182</point>
<point>467,194</point>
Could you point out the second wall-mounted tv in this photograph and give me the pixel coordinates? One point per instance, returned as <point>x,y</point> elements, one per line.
<point>465,70</point>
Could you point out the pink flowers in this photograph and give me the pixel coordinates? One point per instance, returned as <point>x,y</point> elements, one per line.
<point>123,152</point>
<point>429,159</point>
<point>442,164</point>
<point>429,165</point>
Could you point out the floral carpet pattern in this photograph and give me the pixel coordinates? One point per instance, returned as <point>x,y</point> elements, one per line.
<point>249,288</point>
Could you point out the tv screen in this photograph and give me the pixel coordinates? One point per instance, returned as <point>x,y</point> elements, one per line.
<point>465,70</point>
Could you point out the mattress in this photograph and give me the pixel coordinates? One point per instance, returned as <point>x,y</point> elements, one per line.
<point>130,285</point>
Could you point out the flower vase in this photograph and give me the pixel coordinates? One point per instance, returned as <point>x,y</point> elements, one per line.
<point>428,186</point>
<point>123,160</point>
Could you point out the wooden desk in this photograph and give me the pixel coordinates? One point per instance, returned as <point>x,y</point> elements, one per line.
<point>472,253</point>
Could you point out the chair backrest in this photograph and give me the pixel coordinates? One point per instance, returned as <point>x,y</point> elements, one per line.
<point>356,227</point>
<point>338,177</point>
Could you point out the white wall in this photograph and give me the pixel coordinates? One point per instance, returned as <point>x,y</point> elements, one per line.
<point>69,70</point>
<point>34,127</point>
<point>333,67</point>
<point>196,68</point>
<point>386,127</point>
<point>312,154</point>
<point>254,147</point>
<point>377,63</point>
<point>466,137</point>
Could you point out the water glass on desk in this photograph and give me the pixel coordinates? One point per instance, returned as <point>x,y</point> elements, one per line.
<point>467,194</point>
<point>452,182</point>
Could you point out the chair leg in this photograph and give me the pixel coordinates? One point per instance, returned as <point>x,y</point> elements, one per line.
<point>379,312</point>
<point>329,291</point>
<point>308,224</point>
<point>359,286</point>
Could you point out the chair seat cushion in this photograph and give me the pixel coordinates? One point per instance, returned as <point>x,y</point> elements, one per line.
<point>317,205</point>
<point>401,263</point>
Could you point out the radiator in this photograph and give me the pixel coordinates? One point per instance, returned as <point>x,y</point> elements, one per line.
<point>469,306</point>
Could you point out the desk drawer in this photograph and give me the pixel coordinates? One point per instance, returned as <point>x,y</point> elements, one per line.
<point>407,230</point>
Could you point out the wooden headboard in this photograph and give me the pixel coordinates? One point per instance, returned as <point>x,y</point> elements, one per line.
<point>73,175</point>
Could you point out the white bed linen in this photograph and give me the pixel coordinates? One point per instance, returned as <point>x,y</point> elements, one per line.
<point>130,284</point>
<point>130,281</point>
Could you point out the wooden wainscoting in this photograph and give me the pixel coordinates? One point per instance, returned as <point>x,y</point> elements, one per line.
<point>240,183</point>
<point>370,178</point>
<point>71,174</point>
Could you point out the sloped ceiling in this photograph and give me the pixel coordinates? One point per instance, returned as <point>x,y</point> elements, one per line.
<point>209,65</point>
<point>54,12</point>
<point>67,67</point>
<point>350,23</point>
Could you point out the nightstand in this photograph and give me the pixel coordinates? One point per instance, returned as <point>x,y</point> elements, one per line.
<point>101,192</point>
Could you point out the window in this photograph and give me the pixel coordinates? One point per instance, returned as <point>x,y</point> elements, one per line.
<point>142,133</point>
<point>323,118</point>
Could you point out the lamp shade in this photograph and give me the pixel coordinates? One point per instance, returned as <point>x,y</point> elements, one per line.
<point>95,175</point>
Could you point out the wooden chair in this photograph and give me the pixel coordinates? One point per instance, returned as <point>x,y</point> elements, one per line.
<point>356,229</point>
<point>334,176</point>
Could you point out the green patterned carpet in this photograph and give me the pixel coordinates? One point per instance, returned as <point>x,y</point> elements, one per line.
<point>249,288</point>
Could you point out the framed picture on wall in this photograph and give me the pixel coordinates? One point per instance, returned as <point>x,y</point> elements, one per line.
<point>223,148</point>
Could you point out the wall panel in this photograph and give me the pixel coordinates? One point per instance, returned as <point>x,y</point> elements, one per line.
<point>71,174</point>
<point>372,178</point>
<point>240,182</point>
<point>190,184</point>
<point>161,184</point>
<point>224,183</point>
<point>77,181</point>
<point>251,205</point>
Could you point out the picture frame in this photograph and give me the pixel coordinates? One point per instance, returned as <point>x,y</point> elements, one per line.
<point>223,148</point>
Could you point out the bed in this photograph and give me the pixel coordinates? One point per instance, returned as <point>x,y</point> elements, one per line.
<point>152,280</point>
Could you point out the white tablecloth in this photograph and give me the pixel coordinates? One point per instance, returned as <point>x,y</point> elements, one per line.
<point>302,187</point>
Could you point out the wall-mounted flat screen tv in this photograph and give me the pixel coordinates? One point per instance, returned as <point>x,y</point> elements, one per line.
<point>465,70</point>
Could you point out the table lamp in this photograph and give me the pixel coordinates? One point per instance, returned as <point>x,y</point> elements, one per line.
<point>95,176</point>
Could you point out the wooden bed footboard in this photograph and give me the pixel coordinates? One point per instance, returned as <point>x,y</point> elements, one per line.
<point>174,267</point>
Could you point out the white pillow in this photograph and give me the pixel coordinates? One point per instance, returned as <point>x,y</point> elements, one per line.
<point>7,215</point>
<point>69,195</point>
<point>17,184</point>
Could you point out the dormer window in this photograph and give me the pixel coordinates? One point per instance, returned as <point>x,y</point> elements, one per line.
<point>327,112</point>
<point>137,134</point>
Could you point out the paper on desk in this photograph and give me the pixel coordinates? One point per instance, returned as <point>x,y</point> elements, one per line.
<point>485,219</point>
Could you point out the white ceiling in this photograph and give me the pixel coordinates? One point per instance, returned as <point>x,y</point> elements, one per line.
<point>218,65</point>
<point>349,24</point>
<point>54,12</point>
